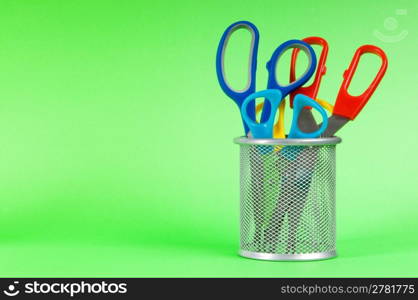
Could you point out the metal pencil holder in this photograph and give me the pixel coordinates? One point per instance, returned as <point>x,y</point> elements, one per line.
<point>287,191</point>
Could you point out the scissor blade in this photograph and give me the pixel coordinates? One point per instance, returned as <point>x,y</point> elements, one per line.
<point>335,123</point>
<point>306,121</point>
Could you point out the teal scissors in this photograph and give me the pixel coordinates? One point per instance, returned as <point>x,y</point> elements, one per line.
<point>264,130</point>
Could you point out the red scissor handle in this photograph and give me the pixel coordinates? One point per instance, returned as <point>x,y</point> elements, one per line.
<point>347,105</point>
<point>312,90</point>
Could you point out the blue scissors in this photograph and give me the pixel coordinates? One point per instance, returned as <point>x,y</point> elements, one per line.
<point>240,95</point>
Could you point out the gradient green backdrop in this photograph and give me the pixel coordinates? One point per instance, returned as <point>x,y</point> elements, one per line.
<point>116,141</point>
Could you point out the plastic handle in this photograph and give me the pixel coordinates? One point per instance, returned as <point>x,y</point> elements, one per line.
<point>238,95</point>
<point>300,102</point>
<point>262,130</point>
<point>311,90</point>
<point>271,67</point>
<point>349,106</point>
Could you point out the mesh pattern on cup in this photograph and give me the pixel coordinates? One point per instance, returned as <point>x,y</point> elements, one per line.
<point>287,199</point>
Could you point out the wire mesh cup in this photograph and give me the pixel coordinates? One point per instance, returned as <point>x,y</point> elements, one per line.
<point>287,191</point>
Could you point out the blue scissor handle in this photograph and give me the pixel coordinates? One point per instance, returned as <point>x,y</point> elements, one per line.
<point>271,68</point>
<point>238,95</point>
<point>264,129</point>
<point>299,103</point>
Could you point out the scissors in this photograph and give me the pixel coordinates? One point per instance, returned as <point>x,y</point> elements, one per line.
<point>347,107</point>
<point>298,176</point>
<point>238,96</point>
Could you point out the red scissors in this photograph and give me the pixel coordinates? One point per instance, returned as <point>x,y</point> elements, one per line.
<point>346,107</point>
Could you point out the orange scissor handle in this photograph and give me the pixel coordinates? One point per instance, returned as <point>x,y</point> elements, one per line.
<point>311,90</point>
<point>347,105</point>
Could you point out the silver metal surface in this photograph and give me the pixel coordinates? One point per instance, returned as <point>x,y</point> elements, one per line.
<point>335,123</point>
<point>296,142</point>
<point>281,257</point>
<point>306,121</point>
<point>287,199</point>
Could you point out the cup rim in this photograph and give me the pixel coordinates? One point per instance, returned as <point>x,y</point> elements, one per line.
<point>243,140</point>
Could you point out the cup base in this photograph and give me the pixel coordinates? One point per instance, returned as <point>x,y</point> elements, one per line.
<point>288,257</point>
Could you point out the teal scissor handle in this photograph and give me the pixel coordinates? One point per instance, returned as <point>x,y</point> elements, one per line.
<point>299,103</point>
<point>262,130</point>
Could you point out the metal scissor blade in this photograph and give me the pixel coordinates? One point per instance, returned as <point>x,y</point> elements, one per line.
<point>306,121</point>
<point>335,123</point>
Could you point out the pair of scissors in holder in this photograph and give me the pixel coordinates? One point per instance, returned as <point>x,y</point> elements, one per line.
<point>296,178</point>
<point>299,175</point>
<point>346,108</point>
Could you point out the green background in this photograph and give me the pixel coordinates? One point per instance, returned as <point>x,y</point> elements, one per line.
<point>116,140</point>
